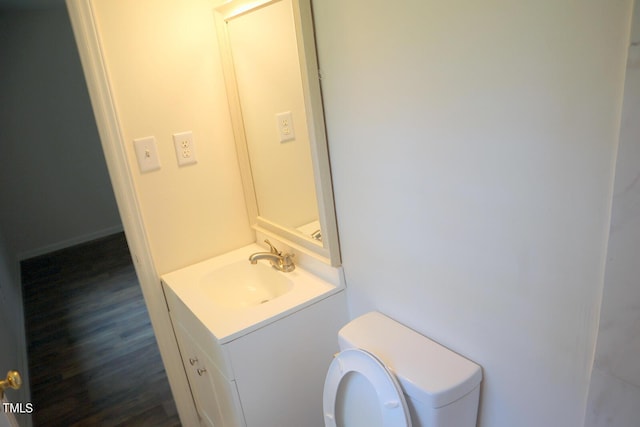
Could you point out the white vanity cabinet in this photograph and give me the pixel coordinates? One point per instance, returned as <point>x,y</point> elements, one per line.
<point>206,366</point>
<point>271,376</point>
<point>199,369</point>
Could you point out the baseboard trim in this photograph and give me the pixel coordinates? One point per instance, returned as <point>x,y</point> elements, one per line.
<point>69,242</point>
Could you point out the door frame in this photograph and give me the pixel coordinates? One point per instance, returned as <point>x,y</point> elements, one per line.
<point>91,55</point>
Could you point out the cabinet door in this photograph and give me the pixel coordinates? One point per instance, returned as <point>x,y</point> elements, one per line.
<point>200,375</point>
<point>280,369</point>
<point>214,391</point>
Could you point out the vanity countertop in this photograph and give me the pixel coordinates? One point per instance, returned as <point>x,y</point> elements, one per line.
<point>227,322</point>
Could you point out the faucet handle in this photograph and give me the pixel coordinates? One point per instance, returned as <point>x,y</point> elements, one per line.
<point>273,249</point>
<point>287,264</point>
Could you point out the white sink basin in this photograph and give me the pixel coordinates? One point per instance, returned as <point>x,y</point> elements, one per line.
<point>232,297</point>
<point>241,284</point>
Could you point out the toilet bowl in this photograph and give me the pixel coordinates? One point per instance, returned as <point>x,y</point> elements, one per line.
<point>387,375</point>
<point>387,406</point>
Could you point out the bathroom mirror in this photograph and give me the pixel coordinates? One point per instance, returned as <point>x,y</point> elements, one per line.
<point>271,73</point>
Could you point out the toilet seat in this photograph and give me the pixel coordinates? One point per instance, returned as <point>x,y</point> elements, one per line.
<point>391,399</point>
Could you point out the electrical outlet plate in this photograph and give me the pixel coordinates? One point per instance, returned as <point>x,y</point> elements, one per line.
<point>285,126</point>
<point>147,153</point>
<point>185,149</point>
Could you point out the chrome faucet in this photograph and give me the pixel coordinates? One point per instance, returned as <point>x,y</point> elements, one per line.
<point>279,261</point>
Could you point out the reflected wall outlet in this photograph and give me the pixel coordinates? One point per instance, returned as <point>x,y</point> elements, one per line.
<point>285,126</point>
<point>147,153</point>
<point>185,150</point>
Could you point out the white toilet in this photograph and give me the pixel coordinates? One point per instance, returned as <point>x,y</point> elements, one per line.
<point>388,375</point>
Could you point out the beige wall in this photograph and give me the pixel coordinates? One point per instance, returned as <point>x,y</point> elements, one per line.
<point>164,68</point>
<point>472,150</point>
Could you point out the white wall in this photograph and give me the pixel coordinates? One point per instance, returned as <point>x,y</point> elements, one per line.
<point>614,394</point>
<point>54,187</point>
<point>472,148</point>
<point>165,75</point>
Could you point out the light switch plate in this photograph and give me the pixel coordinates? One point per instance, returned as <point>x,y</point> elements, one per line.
<point>285,126</point>
<point>147,153</point>
<point>185,149</point>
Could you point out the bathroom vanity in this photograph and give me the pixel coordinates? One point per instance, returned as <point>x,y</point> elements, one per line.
<point>256,343</point>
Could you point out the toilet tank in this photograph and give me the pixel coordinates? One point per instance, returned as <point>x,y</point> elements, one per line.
<point>441,387</point>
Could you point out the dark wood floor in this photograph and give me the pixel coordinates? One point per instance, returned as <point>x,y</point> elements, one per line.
<point>93,358</point>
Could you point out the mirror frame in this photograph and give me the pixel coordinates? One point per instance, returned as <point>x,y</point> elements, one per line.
<point>328,249</point>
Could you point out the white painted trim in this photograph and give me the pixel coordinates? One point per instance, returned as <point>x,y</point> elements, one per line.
<point>237,122</point>
<point>310,72</point>
<point>69,242</point>
<point>295,238</point>
<point>90,49</point>
<point>23,360</point>
<point>237,8</point>
<point>10,418</point>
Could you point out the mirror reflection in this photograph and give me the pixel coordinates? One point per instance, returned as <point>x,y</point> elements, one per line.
<point>264,52</point>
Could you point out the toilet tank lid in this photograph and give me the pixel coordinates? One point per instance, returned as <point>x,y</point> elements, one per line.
<point>427,371</point>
